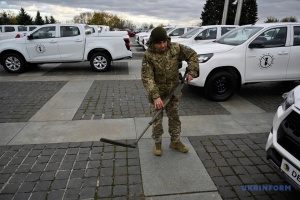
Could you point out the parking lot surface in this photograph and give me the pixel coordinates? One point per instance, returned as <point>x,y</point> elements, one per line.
<point>234,162</point>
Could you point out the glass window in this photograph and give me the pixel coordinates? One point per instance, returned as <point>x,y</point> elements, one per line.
<point>238,35</point>
<point>296,35</point>
<point>45,32</point>
<point>274,37</point>
<point>31,28</point>
<point>177,32</point>
<point>191,33</point>
<point>22,28</point>
<point>9,29</point>
<point>208,34</point>
<point>226,29</point>
<point>71,31</point>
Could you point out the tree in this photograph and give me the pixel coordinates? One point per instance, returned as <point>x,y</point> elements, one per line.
<point>289,19</point>
<point>38,19</point>
<point>271,19</point>
<point>52,20</point>
<point>83,18</point>
<point>23,18</point>
<point>213,12</point>
<point>46,20</point>
<point>4,18</point>
<point>249,12</point>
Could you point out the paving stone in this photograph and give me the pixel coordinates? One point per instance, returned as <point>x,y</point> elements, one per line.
<point>52,166</point>
<point>105,181</point>
<point>66,166</point>
<point>87,193</point>
<point>89,182</point>
<point>75,183</point>
<point>26,187</point>
<point>21,196</point>
<point>6,196</point>
<point>77,174</point>
<point>42,186</point>
<point>80,165</point>
<point>104,191</point>
<point>62,174</point>
<point>58,184</point>
<point>11,188</point>
<point>47,175</point>
<point>91,172</point>
<point>120,190</point>
<point>107,171</point>
<point>55,195</point>
<point>18,178</point>
<point>71,194</point>
<point>33,177</point>
<point>38,195</point>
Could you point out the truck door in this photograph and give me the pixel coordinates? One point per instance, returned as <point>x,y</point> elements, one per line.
<point>71,43</point>
<point>42,45</point>
<point>293,70</point>
<point>268,60</point>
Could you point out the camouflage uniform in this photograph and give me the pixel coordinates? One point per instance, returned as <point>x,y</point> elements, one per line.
<point>160,78</point>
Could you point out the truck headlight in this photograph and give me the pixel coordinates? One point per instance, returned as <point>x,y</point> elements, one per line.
<point>202,58</point>
<point>289,99</point>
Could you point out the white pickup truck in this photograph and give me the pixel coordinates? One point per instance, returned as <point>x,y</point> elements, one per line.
<point>58,43</point>
<point>248,54</point>
<point>15,31</point>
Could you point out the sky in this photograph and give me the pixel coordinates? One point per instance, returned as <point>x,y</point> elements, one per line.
<point>156,12</point>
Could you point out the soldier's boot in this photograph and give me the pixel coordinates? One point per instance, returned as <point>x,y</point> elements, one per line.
<point>179,146</point>
<point>157,149</point>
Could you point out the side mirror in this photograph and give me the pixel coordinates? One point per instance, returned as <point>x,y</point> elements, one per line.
<point>29,37</point>
<point>198,38</point>
<point>257,44</point>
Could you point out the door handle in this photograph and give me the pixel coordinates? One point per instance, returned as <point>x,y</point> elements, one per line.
<point>78,40</point>
<point>53,41</point>
<point>283,53</point>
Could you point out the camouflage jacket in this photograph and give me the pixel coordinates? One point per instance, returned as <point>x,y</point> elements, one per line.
<point>160,75</point>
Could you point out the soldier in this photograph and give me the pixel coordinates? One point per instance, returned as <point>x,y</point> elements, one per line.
<point>160,78</point>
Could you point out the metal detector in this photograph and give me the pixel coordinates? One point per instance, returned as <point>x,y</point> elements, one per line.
<point>173,95</point>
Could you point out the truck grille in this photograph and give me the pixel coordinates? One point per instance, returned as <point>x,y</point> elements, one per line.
<point>289,132</point>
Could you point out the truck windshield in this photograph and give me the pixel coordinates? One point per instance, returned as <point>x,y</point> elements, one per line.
<point>191,33</point>
<point>239,35</point>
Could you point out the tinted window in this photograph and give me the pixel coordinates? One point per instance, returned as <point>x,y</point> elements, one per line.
<point>274,37</point>
<point>9,29</point>
<point>208,34</point>
<point>22,28</point>
<point>296,35</point>
<point>45,32</point>
<point>71,31</point>
<point>226,29</point>
<point>31,28</point>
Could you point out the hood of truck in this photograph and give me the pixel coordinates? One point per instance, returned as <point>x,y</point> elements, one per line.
<point>211,48</point>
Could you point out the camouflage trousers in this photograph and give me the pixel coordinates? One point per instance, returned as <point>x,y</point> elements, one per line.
<point>174,123</point>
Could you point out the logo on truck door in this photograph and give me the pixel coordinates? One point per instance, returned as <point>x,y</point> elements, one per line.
<point>39,48</point>
<point>266,61</point>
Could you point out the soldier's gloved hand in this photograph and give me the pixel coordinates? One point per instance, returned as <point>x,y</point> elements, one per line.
<point>158,103</point>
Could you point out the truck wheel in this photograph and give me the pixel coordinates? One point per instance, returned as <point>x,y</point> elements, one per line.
<point>13,63</point>
<point>100,62</point>
<point>220,86</point>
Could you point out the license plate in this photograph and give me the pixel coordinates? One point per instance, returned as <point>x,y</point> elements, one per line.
<point>291,171</point>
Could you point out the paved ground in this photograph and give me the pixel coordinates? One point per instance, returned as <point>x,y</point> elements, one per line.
<point>226,158</point>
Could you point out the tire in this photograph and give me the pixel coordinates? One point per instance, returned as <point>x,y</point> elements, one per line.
<point>13,63</point>
<point>100,62</point>
<point>220,86</point>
